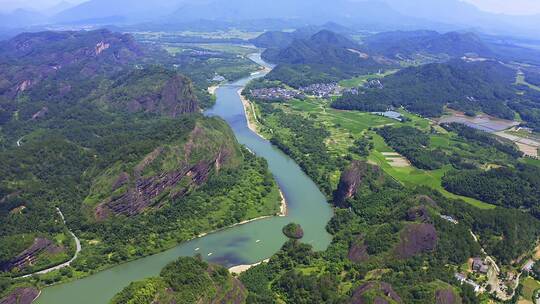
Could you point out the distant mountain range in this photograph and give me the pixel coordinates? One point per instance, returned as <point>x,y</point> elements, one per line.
<point>407,44</point>
<point>443,15</point>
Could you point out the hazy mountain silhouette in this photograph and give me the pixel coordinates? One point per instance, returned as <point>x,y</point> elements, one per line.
<point>442,15</point>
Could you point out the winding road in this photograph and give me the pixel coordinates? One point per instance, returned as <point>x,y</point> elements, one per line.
<point>66,264</point>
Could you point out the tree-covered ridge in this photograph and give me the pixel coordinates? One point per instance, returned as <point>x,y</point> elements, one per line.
<point>30,58</point>
<point>403,44</point>
<point>170,171</point>
<point>510,187</point>
<point>187,280</point>
<point>114,179</point>
<point>151,90</point>
<point>485,86</point>
<point>324,57</point>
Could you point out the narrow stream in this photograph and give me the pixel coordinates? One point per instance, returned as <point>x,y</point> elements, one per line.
<point>244,244</point>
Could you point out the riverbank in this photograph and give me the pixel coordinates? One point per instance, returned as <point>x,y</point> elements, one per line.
<point>212,89</point>
<point>304,204</point>
<point>242,268</point>
<point>251,116</point>
<point>282,213</point>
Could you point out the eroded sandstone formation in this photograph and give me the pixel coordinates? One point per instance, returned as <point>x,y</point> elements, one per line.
<point>349,182</point>
<point>29,255</point>
<point>21,295</point>
<point>385,291</point>
<point>415,239</point>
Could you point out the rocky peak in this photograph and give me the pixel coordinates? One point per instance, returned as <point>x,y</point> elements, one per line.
<point>349,182</point>
<point>178,96</point>
<point>102,46</point>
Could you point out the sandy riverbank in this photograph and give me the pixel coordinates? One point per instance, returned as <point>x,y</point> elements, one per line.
<point>251,116</point>
<point>241,268</point>
<point>283,207</point>
<point>212,89</point>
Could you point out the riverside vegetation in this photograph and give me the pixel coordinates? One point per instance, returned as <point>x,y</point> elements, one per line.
<point>95,124</point>
<point>392,225</point>
<point>418,222</point>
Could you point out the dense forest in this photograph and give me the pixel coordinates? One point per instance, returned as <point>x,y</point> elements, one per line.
<point>187,280</point>
<point>510,187</point>
<point>115,141</point>
<point>533,78</point>
<point>466,86</point>
<point>324,57</point>
<point>387,238</point>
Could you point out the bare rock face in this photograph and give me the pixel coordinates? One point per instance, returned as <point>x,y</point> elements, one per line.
<point>174,98</point>
<point>416,239</point>
<point>142,196</point>
<point>358,251</point>
<point>349,182</point>
<point>24,295</point>
<point>142,192</point>
<point>178,97</point>
<point>29,255</point>
<point>237,294</point>
<point>385,290</point>
<point>446,296</point>
<point>40,114</point>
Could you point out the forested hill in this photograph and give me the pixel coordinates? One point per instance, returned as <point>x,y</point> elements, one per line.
<point>325,56</point>
<point>324,45</point>
<point>187,280</point>
<point>95,124</point>
<point>30,58</point>
<point>401,45</point>
<point>467,86</point>
<point>279,39</point>
<point>49,72</point>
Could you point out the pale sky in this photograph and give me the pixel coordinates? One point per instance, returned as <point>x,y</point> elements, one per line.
<point>527,7</point>
<point>8,5</point>
<point>518,7</point>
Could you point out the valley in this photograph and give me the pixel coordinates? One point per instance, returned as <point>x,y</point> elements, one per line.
<point>321,165</point>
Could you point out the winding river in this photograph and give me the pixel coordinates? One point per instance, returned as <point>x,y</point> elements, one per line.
<point>243,244</point>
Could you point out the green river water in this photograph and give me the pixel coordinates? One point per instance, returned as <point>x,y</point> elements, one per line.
<point>244,244</point>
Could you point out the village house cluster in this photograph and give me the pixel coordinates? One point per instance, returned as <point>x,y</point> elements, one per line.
<point>322,90</point>
<point>274,94</point>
